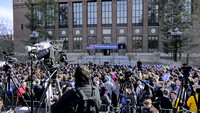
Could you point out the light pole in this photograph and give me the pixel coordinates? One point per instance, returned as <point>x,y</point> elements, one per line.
<point>176,34</point>
<point>33,36</point>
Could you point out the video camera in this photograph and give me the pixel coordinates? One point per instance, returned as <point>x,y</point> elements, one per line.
<point>46,51</point>
<point>9,58</point>
<point>186,70</point>
<point>128,74</point>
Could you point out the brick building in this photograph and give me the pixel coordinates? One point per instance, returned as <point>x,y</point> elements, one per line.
<point>130,23</point>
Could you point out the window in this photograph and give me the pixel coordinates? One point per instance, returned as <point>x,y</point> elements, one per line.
<point>92,14</point>
<point>137,13</point>
<point>107,14</point>
<point>65,43</point>
<point>77,15</point>
<point>121,40</point>
<point>22,26</point>
<point>37,16</point>
<point>63,15</point>
<point>50,16</point>
<point>153,13</point>
<point>153,42</point>
<point>106,40</point>
<point>92,40</point>
<point>78,43</point>
<point>121,13</point>
<point>137,43</point>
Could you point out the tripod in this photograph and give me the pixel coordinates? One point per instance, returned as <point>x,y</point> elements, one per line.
<point>52,78</point>
<point>182,90</point>
<point>129,98</point>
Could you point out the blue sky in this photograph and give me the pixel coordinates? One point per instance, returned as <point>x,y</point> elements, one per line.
<point>6,9</point>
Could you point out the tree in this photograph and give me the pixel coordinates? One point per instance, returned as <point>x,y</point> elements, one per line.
<point>41,16</point>
<point>6,29</point>
<point>174,14</point>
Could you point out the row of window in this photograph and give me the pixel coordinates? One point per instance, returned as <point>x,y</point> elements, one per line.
<point>136,45</point>
<point>122,9</point>
<point>106,17</point>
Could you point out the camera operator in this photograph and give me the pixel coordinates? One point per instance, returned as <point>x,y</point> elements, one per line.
<point>139,65</point>
<point>71,100</point>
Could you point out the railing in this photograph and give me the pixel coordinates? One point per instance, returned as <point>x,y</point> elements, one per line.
<point>106,108</point>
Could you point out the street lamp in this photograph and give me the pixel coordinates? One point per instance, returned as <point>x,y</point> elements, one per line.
<point>33,36</point>
<point>176,34</point>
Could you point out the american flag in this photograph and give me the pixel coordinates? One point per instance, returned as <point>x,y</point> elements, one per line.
<point>90,46</point>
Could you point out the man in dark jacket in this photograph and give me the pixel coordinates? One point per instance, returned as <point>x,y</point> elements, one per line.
<point>165,101</point>
<point>69,100</point>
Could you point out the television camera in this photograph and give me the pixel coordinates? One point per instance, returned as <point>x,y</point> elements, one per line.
<point>47,52</point>
<point>186,70</point>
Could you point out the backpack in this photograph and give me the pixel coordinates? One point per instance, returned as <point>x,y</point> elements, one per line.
<point>85,104</point>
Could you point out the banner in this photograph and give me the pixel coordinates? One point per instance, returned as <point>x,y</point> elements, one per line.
<point>102,46</point>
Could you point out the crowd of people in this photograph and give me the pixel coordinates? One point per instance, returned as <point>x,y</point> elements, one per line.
<point>152,88</point>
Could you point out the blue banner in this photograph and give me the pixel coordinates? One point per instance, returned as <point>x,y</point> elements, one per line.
<point>102,46</point>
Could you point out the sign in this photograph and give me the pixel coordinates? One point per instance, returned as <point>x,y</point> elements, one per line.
<point>102,46</point>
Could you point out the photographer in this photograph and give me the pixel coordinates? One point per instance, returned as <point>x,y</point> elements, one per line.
<point>72,100</point>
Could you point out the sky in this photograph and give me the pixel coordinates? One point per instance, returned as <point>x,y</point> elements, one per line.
<point>6,9</point>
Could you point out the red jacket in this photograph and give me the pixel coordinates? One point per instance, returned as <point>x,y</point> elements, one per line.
<point>22,90</point>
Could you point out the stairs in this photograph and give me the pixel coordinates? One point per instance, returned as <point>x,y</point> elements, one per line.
<point>101,60</point>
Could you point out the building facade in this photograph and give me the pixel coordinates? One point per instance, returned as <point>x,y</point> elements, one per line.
<point>132,24</point>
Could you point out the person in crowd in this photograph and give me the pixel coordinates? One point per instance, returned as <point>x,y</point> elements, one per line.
<point>145,94</point>
<point>164,101</point>
<point>109,86</point>
<point>68,102</point>
<point>191,103</point>
<point>148,107</point>
<point>168,86</point>
<point>38,89</point>
<point>139,88</point>
<point>175,100</point>
<point>22,90</point>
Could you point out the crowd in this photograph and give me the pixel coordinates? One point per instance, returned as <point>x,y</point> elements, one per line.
<point>153,87</point>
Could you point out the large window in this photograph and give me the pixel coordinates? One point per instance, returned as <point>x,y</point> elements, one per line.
<point>106,40</point>
<point>78,43</point>
<point>77,15</point>
<point>65,43</point>
<point>121,40</point>
<point>92,14</point>
<point>153,42</point>
<point>37,15</point>
<point>107,14</point>
<point>92,40</point>
<point>137,43</point>
<point>50,16</point>
<point>153,13</point>
<point>63,15</point>
<point>137,13</point>
<point>121,13</point>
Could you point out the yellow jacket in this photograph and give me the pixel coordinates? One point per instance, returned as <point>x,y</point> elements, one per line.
<point>192,104</point>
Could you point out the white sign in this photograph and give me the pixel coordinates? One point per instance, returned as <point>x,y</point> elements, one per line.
<point>106,31</point>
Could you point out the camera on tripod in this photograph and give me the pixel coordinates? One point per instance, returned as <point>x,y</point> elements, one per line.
<point>46,51</point>
<point>186,70</point>
<point>128,75</point>
<point>9,61</point>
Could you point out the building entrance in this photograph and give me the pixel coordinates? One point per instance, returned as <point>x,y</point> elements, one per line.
<point>106,52</point>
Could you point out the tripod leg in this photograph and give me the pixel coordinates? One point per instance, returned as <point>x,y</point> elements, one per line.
<point>19,92</point>
<point>43,96</point>
<point>58,87</point>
